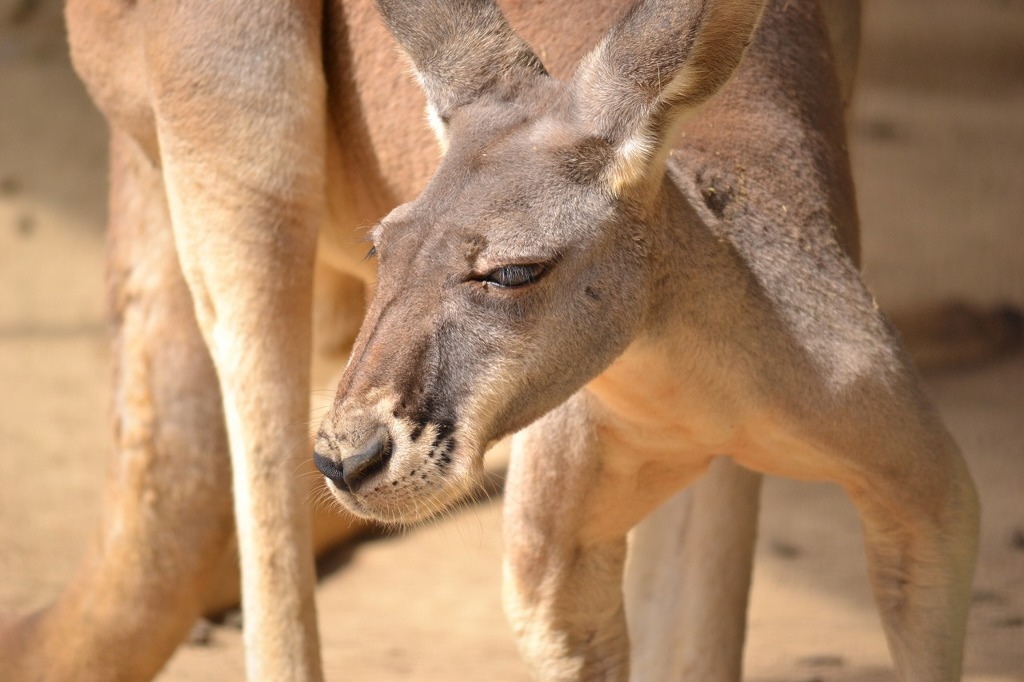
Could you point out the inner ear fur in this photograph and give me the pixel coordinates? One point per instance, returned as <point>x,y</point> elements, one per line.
<point>460,49</point>
<point>659,63</point>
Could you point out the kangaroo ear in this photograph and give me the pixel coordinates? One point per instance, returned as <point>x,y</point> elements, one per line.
<point>460,49</point>
<point>660,62</point>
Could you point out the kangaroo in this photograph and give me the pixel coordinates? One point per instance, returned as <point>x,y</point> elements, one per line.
<point>647,262</point>
<point>640,269</point>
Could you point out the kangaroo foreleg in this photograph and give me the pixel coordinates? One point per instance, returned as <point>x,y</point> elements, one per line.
<point>570,500</point>
<point>884,444</point>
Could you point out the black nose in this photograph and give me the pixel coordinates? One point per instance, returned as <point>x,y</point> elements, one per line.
<point>331,469</point>
<point>352,471</point>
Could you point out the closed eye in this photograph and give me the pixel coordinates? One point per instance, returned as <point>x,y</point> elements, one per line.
<point>513,276</point>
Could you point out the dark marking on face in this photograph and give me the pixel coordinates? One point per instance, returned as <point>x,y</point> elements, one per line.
<point>443,431</point>
<point>423,397</point>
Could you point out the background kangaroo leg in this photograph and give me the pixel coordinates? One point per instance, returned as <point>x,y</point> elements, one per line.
<point>167,514</point>
<point>688,579</point>
<point>254,311</point>
<point>339,303</point>
<point>242,143</point>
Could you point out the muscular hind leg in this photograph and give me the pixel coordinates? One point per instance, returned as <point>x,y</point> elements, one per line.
<point>167,514</point>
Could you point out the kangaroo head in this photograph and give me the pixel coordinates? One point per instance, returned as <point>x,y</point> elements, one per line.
<point>523,269</point>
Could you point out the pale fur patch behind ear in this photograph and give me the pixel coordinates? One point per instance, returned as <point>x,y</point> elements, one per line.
<point>439,128</point>
<point>631,164</point>
<point>641,156</point>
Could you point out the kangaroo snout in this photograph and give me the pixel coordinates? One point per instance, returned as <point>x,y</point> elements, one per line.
<point>368,459</point>
<point>393,461</point>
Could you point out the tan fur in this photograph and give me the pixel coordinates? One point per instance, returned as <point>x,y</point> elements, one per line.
<point>715,310</point>
<point>242,144</point>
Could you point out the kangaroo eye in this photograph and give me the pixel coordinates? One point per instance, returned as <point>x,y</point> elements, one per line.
<point>512,276</point>
<point>372,253</point>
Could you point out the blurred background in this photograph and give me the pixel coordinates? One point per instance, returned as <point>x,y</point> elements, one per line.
<point>937,137</point>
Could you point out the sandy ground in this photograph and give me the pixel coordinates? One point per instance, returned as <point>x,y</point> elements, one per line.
<point>938,144</point>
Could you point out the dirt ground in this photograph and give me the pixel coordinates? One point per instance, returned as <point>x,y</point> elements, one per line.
<point>938,146</point>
